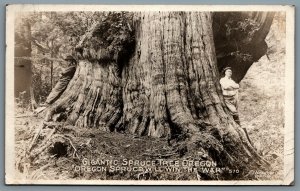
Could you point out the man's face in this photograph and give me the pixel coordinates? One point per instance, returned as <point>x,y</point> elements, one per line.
<point>228,73</point>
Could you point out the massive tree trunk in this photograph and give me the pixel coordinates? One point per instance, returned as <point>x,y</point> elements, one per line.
<point>167,87</point>
<point>171,82</point>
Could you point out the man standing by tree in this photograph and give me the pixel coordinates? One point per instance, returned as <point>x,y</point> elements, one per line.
<point>230,92</point>
<point>63,81</point>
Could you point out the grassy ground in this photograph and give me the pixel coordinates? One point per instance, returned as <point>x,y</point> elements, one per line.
<point>261,108</point>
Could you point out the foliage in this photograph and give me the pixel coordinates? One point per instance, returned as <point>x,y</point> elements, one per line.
<point>54,35</point>
<point>234,30</point>
<point>241,30</point>
<point>59,32</point>
<point>41,85</point>
<point>107,39</point>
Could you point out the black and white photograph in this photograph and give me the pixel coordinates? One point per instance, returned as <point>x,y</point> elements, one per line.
<point>149,94</point>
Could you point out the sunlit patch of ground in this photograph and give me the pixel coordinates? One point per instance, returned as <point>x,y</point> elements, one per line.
<point>261,108</point>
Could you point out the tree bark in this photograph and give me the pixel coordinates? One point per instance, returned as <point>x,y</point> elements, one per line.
<point>171,83</point>
<point>92,98</point>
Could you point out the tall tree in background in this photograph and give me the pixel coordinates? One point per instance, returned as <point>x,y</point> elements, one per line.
<point>42,40</point>
<point>156,74</point>
<point>23,64</point>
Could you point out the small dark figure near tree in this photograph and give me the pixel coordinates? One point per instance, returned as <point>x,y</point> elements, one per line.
<point>65,78</point>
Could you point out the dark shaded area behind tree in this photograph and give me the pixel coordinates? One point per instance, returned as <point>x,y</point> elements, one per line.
<point>239,39</point>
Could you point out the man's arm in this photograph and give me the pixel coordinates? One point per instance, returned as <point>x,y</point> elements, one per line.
<point>68,71</point>
<point>225,85</point>
<point>235,85</point>
<point>229,84</point>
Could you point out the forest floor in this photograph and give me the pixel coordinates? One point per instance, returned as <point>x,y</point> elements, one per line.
<point>261,102</point>
<point>261,110</point>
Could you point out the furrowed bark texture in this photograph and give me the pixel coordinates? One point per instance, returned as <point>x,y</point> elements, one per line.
<point>171,86</point>
<point>171,83</point>
<point>93,97</point>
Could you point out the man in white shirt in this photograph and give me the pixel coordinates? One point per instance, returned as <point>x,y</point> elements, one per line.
<point>230,93</point>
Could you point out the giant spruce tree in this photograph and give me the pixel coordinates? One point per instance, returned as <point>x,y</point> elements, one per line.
<point>157,74</point>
